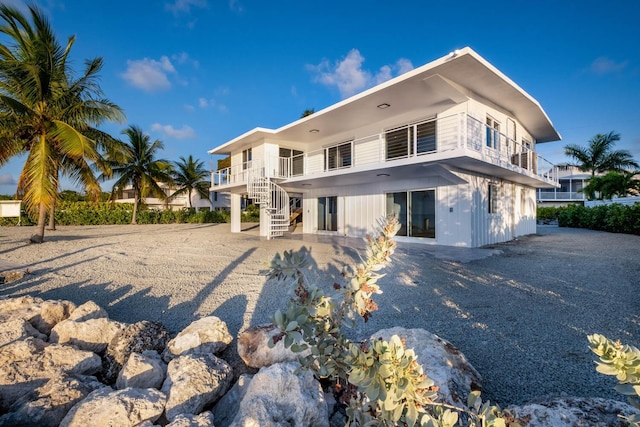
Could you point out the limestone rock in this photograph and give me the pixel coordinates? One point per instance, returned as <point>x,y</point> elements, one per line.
<point>28,364</point>
<point>441,361</point>
<point>17,329</point>
<point>226,408</point>
<point>205,419</point>
<point>206,335</point>
<point>574,412</point>
<point>253,347</point>
<point>193,382</point>
<point>146,370</point>
<point>91,335</point>
<point>47,405</point>
<point>277,396</point>
<point>86,311</point>
<point>135,338</point>
<point>43,315</point>
<point>107,407</point>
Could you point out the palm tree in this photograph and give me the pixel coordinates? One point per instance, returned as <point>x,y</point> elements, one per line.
<point>135,164</point>
<point>599,156</point>
<point>189,175</point>
<point>46,113</point>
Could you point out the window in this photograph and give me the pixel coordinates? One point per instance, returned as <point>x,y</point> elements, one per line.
<point>246,158</point>
<point>338,156</point>
<point>493,133</point>
<point>416,212</point>
<point>296,165</point>
<point>406,141</point>
<point>215,196</point>
<point>492,195</point>
<point>328,213</point>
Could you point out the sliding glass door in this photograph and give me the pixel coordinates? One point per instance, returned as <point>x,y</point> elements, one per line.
<point>416,212</point>
<point>328,213</point>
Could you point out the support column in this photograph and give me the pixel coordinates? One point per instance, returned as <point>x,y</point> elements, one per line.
<point>264,222</point>
<point>235,213</point>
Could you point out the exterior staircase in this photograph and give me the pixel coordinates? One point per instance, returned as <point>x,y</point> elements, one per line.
<point>273,198</point>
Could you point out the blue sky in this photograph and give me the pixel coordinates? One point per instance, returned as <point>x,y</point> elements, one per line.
<point>196,73</point>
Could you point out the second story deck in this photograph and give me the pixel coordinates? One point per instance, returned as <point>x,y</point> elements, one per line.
<point>458,141</point>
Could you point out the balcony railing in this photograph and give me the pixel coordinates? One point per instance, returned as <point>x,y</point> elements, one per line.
<point>459,133</point>
<point>560,195</point>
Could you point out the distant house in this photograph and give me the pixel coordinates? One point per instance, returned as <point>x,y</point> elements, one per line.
<point>571,181</point>
<point>178,202</point>
<point>449,147</point>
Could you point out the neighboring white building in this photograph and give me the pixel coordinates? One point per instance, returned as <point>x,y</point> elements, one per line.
<point>571,181</point>
<point>178,202</point>
<point>449,147</point>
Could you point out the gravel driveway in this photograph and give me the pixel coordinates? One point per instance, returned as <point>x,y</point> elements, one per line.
<point>519,311</point>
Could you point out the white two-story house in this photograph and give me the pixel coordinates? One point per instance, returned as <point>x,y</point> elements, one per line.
<point>449,147</point>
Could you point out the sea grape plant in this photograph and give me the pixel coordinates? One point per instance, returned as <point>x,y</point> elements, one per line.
<point>381,383</point>
<point>623,362</point>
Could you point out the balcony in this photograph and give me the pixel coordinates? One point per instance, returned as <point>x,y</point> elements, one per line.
<point>561,196</point>
<point>458,140</point>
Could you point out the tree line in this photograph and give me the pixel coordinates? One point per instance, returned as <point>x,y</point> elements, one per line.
<point>52,116</point>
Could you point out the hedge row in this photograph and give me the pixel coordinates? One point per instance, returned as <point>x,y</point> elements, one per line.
<point>614,218</point>
<point>106,213</point>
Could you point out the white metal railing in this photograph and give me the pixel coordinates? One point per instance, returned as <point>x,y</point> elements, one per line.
<point>454,132</point>
<point>270,196</point>
<point>560,195</point>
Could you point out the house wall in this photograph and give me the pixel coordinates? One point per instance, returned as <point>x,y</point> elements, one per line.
<point>462,211</point>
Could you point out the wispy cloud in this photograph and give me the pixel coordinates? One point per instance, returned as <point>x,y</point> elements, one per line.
<point>236,6</point>
<point>148,74</point>
<point>350,77</point>
<point>184,6</point>
<point>184,58</point>
<point>604,65</point>
<point>186,132</point>
<point>7,179</point>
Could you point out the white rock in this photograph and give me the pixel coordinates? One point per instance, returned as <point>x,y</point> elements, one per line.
<point>206,335</point>
<point>253,347</point>
<point>193,382</point>
<point>106,408</point>
<point>226,408</point>
<point>17,329</point>
<point>91,335</point>
<point>47,405</point>
<point>86,311</point>
<point>28,364</point>
<point>205,419</point>
<point>277,396</point>
<point>146,370</point>
<point>43,315</point>
<point>574,412</point>
<point>441,361</point>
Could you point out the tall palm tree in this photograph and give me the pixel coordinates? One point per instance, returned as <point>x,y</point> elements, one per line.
<point>135,164</point>
<point>189,175</point>
<point>46,112</point>
<point>599,156</point>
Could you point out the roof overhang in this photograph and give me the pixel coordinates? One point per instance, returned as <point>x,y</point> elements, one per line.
<point>430,89</point>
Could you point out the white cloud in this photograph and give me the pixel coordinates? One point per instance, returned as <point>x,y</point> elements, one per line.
<point>148,74</point>
<point>184,6</point>
<point>186,132</point>
<point>203,103</point>
<point>189,108</point>
<point>604,65</point>
<point>7,179</point>
<point>349,76</point>
<point>184,58</point>
<point>236,6</point>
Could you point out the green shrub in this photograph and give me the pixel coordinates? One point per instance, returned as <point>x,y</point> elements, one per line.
<point>614,218</point>
<point>251,214</point>
<point>548,213</point>
<point>623,362</point>
<point>380,382</point>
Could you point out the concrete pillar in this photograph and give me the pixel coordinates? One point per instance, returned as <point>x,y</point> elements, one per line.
<point>235,213</point>
<point>264,222</point>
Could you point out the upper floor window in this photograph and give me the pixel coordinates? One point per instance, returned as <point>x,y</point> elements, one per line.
<point>338,156</point>
<point>246,158</point>
<point>493,133</point>
<point>406,141</point>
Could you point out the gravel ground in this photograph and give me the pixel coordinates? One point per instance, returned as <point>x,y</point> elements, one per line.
<point>519,311</point>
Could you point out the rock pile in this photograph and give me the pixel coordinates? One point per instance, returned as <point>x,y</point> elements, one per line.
<point>62,365</point>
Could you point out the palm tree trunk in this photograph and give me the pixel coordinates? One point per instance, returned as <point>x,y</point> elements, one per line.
<point>190,200</point>
<point>39,236</point>
<point>135,210</point>
<point>52,218</point>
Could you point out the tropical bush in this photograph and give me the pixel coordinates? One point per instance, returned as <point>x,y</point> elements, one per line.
<point>614,218</point>
<point>549,213</point>
<point>251,214</point>
<point>623,362</point>
<point>380,383</point>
